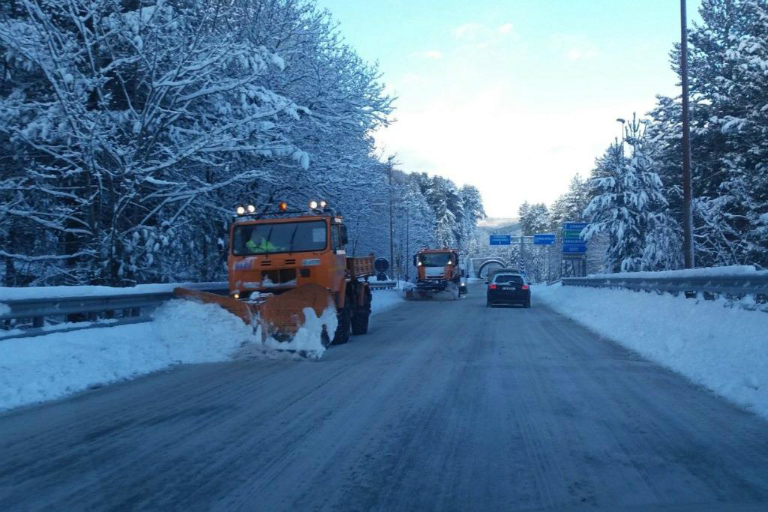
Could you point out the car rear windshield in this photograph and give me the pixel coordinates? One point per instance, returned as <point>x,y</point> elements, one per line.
<point>252,239</point>
<point>507,278</point>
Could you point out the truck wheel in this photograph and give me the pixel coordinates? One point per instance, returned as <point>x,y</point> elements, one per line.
<point>360,322</point>
<point>342,331</point>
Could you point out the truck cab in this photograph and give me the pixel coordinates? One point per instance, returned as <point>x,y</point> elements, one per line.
<point>273,253</point>
<point>436,268</point>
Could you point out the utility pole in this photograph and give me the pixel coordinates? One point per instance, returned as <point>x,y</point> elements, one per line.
<point>407,241</point>
<point>620,140</point>
<point>687,180</point>
<point>391,231</point>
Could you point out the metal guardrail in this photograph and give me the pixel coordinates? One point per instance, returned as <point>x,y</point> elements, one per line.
<point>84,312</point>
<point>381,285</point>
<point>741,284</point>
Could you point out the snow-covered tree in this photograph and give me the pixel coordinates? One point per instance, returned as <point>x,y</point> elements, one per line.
<point>129,129</point>
<point>534,218</point>
<point>629,206</point>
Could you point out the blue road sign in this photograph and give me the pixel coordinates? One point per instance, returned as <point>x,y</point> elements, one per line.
<point>575,248</point>
<point>573,244</point>
<point>574,226</point>
<point>501,240</point>
<point>544,239</point>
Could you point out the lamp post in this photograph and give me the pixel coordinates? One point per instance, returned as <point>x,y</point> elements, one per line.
<point>688,250</point>
<point>622,121</point>
<point>390,164</point>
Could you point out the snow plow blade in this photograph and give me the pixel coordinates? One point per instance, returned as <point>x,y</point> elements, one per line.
<point>245,311</point>
<point>279,316</point>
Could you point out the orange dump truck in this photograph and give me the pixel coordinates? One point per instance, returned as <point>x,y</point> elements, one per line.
<point>438,270</point>
<point>285,261</point>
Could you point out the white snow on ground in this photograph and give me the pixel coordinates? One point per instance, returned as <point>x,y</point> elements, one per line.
<point>724,349</point>
<point>183,332</point>
<point>734,270</point>
<point>386,299</point>
<point>53,292</point>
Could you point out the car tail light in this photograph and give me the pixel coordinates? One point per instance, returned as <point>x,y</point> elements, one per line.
<point>524,287</point>
<point>492,287</point>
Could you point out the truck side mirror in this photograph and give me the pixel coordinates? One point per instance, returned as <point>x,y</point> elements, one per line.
<point>414,261</point>
<point>344,235</point>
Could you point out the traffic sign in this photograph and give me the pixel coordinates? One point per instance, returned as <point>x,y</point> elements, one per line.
<point>573,244</point>
<point>544,239</point>
<point>501,240</point>
<point>574,226</point>
<point>575,248</point>
<point>381,265</point>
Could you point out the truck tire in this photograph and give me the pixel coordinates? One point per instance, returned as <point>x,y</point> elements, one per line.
<point>360,322</point>
<point>342,330</point>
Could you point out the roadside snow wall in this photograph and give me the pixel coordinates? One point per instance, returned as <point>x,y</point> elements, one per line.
<point>48,367</point>
<point>724,349</point>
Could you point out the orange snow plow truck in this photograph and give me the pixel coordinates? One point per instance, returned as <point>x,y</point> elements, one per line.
<point>438,270</point>
<point>285,261</point>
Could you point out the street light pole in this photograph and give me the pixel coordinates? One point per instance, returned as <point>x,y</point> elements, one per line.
<point>407,241</point>
<point>687,179</point>
<point>391,231</point>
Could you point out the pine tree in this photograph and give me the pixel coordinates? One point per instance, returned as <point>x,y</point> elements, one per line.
<point>629,206</point>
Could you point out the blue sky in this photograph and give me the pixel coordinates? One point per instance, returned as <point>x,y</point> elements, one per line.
<point>512,96</point>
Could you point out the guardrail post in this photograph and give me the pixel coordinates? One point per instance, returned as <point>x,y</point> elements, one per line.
<point>38,321</point>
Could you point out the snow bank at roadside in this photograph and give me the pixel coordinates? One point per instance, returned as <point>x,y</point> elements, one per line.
<point>724,349</point>
<point>733,270</point>
<point>54,292</point>
<point>183,332</point>
<point>386,299</point>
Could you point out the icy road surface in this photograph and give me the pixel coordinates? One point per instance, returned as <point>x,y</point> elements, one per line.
<point>444,406</point>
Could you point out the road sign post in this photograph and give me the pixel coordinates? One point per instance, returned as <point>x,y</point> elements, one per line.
<point>574,247</point>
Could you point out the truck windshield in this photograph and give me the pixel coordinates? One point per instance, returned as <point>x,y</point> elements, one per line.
<point>437,259</point>
<point>270,238</point>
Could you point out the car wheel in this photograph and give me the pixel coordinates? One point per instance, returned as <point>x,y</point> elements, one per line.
<point>528,304</point>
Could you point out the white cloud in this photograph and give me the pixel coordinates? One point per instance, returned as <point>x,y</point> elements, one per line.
<point>469,31</point>
<point>510,149</point>
<point>574,47</point>
<point>504,29</point>
<point>432,54</point>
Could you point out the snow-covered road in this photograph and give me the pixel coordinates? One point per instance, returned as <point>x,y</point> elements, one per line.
<point>443,406</point>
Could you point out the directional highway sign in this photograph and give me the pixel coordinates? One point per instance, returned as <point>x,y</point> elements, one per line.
<point>501,240</point>
<point>572,241</point>
<point>574,248</point>
<point>544,239</point>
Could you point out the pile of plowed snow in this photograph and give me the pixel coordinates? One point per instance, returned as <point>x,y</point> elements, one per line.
<point>721,347</point>
<point>183,332</point>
